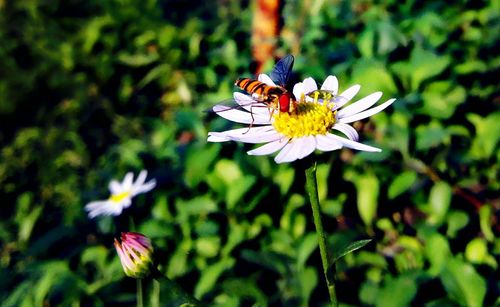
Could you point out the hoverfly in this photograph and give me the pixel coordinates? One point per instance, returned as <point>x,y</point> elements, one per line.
<point>275,97</point>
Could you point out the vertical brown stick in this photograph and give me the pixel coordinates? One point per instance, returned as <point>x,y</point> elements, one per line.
<point>265,28</point>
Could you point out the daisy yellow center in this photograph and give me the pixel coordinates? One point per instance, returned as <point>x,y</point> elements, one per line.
<point>306,119</point>
<point>119,197</point>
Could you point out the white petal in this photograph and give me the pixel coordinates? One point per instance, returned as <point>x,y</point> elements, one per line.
<point>324,143</point>
<point>307,147</point>
<point>360,105</point>
<point>351,92</point>
<point>97,208</point>
<point>298,90</point>
<point>309,85</point>
<point>331,84</point>
<point>352,144</point>
<point>124,203</point>
<point>95,204</point>
<point>346,129</point>
<point>289,153</point>
<point>266,79</point>
<point>127,181</point>
<point>146,187</point>
<point>217,137</point>
<point>268,148</point>
<point>241,117</point>
<point>115,187</point>
<point>366,113</point>
<point>141,178</point>
<point>262,134</point>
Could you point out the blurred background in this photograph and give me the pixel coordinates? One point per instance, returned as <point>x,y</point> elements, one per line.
<point>90,90</point>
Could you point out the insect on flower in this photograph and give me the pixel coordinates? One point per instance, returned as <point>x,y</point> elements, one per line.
<point>268,92</point>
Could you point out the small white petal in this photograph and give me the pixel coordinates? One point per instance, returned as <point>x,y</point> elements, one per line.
<point>95,204</point>
<point>346,129</point>
<point>241,117</point>
<point>309,85</point>
<point>331,84</point>
<point>298,90</point>
<point>258,138</point>
<point>115,187</point>
<point>324,143</point>
<point>127,181</point>
<point>351,92</point>
<point>141,178</point>
<point>360,105</point>
<point>124,203</point>
<point>307,147</point>
<point>352,144</point>
<point>290,152</point>
<point>146,187</point>
<point>268,148</point>
<point>367,113</point>
<point>217,137</point>
<point>266,79</point>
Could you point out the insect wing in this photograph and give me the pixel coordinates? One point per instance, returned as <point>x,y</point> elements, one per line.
<point>244,103</point>
<point>282,70</point>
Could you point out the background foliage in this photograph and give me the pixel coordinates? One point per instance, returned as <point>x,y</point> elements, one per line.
<point>92,89</point>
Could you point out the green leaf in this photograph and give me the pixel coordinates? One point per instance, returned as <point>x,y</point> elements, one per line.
<point>463,283</point>
<point>402,183</point>
<point>487,135</point>
<point>397,292</point>
<point>476,251</point>
<point>485,222</point>
<point>367,187</point>
<point>349,249</point>
<point>442,98</point>
<point>308,244</point>
<point>439,200</point>
<point>374,76</point>
<point>137,60</point>
<point>456,221</point>
<point>431,135</point>
<point>210,275</point>
<point>423,65</point>
<point>437,250</point>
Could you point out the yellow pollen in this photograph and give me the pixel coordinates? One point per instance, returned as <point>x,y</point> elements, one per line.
<point>119,197</point>
<point>307,119</point>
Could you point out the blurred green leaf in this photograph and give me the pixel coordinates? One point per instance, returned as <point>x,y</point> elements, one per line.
<point>397,292</point>
<point>485,220</point>
<point>487,135</point>
<point>423,65</point>
<point>367,187</point>
<point>374,76</point>
<point>437,251</point>
<point>137,60</point>
<point>441,99</point>
<point>463,283</point>
<point>402,183</point>
<point>456,221</point>
<point>431,135</point>
<point>439,200</point>
<point>210,275</point>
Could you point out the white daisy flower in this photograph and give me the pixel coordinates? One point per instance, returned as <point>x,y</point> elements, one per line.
<point>298,133</point>
<point>121,195</point>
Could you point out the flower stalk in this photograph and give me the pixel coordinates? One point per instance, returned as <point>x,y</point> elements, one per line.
<point>312,191</point>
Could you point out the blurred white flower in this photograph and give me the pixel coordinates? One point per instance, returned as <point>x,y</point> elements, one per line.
<point>298,133</point>
<point>121,195</point>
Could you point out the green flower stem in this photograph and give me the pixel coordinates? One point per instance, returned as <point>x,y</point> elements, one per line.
<point>139,293</point>
<point>312,191</point>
